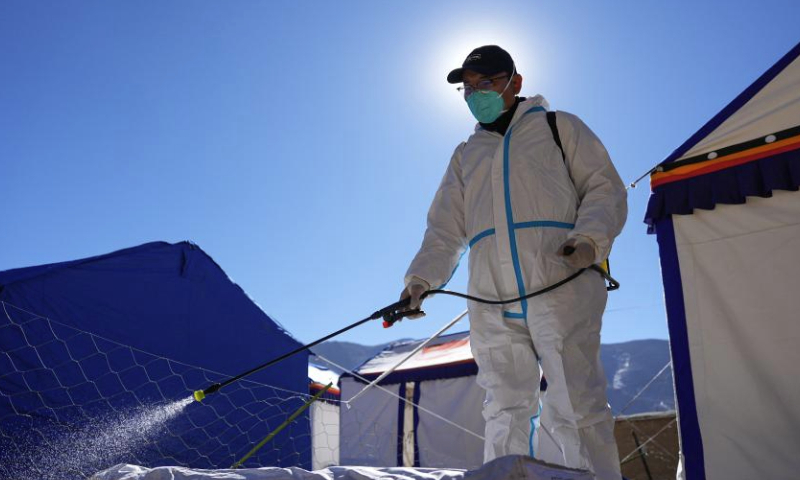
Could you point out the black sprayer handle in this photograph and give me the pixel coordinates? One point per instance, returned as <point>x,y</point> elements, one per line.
<point>391,318</point>
<point>390,309</point>
<point>395,312</point>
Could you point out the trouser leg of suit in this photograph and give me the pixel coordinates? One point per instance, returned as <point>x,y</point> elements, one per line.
<point>563,329</point>
<point>509,372</point>
<point>576,424</point>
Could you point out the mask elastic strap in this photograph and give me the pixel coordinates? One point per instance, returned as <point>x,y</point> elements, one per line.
<point>510,78</point>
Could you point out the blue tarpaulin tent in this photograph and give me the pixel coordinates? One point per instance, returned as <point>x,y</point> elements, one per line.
<point>130,331</point>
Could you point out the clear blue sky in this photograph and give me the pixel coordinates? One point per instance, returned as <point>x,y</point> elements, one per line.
<point>300,143</point>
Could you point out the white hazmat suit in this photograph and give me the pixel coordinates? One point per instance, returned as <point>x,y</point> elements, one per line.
<point>513,200</point>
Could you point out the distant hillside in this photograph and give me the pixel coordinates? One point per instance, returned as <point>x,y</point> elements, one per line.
<point>628,366</point>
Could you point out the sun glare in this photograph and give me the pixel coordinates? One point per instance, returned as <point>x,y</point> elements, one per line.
<point>451,48</point>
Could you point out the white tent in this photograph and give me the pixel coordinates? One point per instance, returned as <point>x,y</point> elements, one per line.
<point>324,417</point>
<point>380,429</point>
<point>726,210</point>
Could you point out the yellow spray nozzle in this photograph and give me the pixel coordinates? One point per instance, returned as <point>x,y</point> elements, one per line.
<point>199,395</point>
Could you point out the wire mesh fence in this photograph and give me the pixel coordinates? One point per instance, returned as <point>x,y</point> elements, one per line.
<point>73,403</point>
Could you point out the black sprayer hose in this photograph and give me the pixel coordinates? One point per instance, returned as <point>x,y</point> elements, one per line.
<point>613,285</point>
<point>396,312</point>
<point>389,320</point>
<point>501,302</point>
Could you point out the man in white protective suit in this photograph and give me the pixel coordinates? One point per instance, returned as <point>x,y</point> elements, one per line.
<point>513,199</point>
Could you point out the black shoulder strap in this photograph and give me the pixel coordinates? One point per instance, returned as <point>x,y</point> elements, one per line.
<point>551,120</point>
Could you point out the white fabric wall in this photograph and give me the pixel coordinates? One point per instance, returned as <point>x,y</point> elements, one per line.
<point>459,400</point>
<point>368,429</point>
<point>324,435</point>
<point>740,271</point>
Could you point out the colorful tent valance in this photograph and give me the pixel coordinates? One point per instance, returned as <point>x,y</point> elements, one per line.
<point>749,149</point>
<point>728,176</point>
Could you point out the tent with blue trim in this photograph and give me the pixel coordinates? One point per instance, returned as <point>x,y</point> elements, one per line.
<point>86,339</point>
<point>725,208</point>
<point>396,423</point>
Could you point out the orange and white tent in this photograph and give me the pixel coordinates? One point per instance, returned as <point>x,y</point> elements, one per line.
<point>425,414</point>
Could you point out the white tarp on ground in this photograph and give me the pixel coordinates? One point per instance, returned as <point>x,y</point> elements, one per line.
<point>512,467</point>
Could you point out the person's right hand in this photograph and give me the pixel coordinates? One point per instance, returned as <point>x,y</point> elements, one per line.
<point>578,252</point>
<point>416,287</point>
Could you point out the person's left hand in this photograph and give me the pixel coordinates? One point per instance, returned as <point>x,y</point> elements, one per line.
<point>577,252</point>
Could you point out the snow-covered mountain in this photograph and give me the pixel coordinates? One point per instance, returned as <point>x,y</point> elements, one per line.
<point>629,366</point>
<point>347,354</point>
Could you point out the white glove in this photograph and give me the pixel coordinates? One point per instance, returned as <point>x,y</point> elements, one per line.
<point>583,252</point>
<point>415,288</point>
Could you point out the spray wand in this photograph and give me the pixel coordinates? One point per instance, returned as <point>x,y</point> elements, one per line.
<point>390,315</point>
<point>397,311</point>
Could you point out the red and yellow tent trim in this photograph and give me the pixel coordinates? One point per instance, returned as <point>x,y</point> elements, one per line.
<point>317,386</point>
<point>726,158</point>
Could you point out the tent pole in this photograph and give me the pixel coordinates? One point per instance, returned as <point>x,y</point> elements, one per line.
<point>419,347</point>
<point>282,425</point>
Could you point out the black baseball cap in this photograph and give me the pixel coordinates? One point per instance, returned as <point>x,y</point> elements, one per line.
<point>486,60</point>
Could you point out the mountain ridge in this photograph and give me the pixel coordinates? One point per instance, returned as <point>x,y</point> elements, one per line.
<point>629,366</point>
